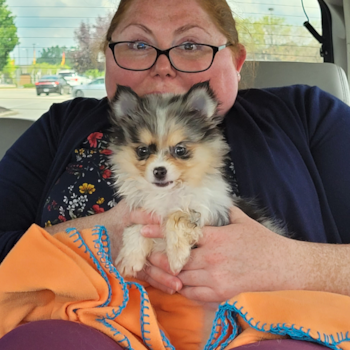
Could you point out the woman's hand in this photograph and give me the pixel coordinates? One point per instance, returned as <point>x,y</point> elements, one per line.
<point>243,256</point>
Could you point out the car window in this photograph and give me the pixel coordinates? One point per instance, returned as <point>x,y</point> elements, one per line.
<point>273,30</point>
<point>63,38</point>
<point>49,79</point>
<point>66,74</point>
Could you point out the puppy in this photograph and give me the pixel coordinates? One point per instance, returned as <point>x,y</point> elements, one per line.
<point>168,157</point>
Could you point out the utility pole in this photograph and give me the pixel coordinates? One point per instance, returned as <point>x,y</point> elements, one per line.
<point>34,58</point>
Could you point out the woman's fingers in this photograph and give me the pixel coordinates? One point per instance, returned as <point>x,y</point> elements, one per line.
<point>152,231</point>
<point>201,294</point>
<point>160,279</point>
<point>139,216</point>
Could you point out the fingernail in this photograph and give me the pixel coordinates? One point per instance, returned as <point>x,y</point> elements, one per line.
<point>177,286</point>
<point>145,231</point>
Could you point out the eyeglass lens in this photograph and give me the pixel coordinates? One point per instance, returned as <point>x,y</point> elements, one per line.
<point>186,57</point>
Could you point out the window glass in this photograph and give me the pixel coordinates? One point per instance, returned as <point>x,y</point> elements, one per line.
<point>272,30</point>
<point>54,37</point>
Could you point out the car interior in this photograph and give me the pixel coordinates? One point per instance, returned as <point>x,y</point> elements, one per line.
<point>330,72</point>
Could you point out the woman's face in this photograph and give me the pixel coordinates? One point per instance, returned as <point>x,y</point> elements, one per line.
<point>164,24</point>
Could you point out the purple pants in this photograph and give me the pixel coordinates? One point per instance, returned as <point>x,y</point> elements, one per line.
<point>65,335</point>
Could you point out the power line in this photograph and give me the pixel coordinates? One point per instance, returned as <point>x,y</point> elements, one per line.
<point>65,7</point>
<point>58,17</point>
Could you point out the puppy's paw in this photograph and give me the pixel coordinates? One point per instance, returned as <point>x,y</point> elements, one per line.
<point>132,256</point>
<point>182,232</point>
<point>129,265</point>
<point>178,257</point>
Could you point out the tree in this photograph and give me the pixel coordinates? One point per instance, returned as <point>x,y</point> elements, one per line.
<point>8,34</point>
<point>53,55</point>
<point>270,38</point>
<point>82,56</point>
<point>89,39</point>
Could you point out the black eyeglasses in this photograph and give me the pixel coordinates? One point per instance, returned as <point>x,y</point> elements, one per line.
<point>188,57</point>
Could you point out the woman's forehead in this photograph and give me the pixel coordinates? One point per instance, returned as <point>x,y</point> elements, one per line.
<point>168,15</point>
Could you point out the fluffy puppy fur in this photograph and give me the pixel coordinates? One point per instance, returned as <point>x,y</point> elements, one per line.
<point>168,159</point>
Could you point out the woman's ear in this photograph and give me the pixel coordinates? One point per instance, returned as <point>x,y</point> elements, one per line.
<point>240,57</point>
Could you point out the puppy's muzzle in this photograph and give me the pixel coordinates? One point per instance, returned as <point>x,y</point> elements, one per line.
<point>160,173</point>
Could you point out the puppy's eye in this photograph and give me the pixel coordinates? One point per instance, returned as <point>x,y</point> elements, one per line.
<point>142,152</point>
<point>180,151</point>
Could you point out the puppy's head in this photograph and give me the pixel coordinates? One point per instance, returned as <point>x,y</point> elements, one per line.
<point>166,139</point>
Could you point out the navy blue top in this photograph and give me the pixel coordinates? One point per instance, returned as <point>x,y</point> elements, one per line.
<point>290,147</point>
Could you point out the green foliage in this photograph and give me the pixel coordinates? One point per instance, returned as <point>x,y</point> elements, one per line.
<point>271,38</point>
<point>8,34</point>
<point>93,73</point>
<point>10,69</point>
<point>28,86</point>
<point>53,55</point>
<point>46,68</point>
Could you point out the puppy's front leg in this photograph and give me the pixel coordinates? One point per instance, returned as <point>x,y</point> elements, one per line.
<point>133,254</point>
<point>182,231</point>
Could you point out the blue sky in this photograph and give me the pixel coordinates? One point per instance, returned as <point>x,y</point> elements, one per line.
<point>54,23</point>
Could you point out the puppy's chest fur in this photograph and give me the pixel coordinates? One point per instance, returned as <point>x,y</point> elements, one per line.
<point>211,200</point>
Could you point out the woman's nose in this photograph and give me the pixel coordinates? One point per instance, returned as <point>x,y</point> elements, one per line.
<point>163,67</point>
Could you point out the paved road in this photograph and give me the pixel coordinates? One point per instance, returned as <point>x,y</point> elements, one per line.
<point>27,104</point>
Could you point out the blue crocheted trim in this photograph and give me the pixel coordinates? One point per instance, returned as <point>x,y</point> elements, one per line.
<point>124,343</point>
<point>166,342</point>
<point>144,313</point>
<point>102,247</point>
<point>226,322</point>
<point>227,315</point>
<point>74,232</point>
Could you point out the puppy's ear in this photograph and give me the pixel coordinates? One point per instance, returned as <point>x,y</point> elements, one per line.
<point>201,98</point>
<point>124,104</point>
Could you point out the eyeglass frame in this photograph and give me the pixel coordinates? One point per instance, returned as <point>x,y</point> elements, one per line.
<point>215,49</point>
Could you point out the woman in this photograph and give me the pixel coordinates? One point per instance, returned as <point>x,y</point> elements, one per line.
<point>288,148</point>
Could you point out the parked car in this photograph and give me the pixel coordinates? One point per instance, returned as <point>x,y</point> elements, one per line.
<point>52,83</point>
<point>95,89</point>
<point>72,78</point>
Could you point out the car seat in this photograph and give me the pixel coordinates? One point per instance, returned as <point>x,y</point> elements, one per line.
<point>327,76</point>
<point>10,130</point>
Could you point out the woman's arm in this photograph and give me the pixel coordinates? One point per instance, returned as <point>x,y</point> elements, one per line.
<point>114,220</point>
<point>23,172</point>
<point>31,166</point>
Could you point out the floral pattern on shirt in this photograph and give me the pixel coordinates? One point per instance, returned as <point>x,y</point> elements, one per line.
<point>85,188</point>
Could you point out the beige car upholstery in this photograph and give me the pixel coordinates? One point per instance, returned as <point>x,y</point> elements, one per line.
<point>327,76</point>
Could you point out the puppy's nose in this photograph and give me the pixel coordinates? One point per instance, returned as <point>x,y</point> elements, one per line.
<point>159,173</point>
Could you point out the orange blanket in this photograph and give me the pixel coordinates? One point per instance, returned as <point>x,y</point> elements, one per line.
<point>69,276</point>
